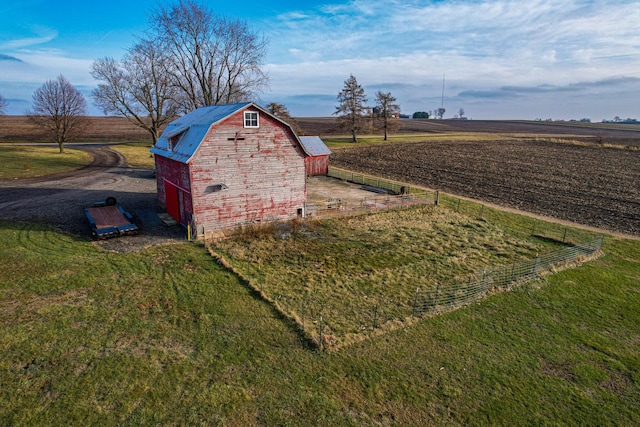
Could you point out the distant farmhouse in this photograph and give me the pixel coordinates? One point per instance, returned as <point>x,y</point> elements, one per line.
<point>225,166</point>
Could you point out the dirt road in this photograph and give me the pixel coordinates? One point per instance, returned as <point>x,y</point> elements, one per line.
<point>58,200</point>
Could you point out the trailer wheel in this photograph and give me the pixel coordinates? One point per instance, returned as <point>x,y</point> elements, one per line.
<point>111,201</point>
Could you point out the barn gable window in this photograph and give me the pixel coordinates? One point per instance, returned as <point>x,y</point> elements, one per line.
<point>173,140</point>
<point>251,119</point>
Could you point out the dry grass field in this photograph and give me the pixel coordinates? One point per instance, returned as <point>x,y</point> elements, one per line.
<point>360,273</point>
<point>106,129</point>
<point>587,133</point>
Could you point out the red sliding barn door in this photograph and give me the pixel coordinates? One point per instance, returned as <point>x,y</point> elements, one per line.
<point>172,200</point>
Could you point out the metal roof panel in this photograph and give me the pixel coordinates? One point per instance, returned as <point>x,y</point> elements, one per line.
<point>314,146</point>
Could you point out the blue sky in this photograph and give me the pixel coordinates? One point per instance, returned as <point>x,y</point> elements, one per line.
<point>502,59</point>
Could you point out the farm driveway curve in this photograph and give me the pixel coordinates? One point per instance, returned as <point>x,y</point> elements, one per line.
<point>58,200</point>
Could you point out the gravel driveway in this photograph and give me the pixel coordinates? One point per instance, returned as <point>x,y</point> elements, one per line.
<point>58,200</point>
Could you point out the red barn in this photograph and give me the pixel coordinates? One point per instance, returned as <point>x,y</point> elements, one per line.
<point>317,161</point>
<point>225,166</point>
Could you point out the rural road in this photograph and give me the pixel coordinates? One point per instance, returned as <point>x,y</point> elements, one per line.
<point>58,200</point>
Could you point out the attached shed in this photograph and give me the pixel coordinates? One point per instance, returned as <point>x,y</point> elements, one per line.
<point>317,161</point>
<point>225,166</point>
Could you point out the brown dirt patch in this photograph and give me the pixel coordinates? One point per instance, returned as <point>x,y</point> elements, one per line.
<point>595,186</point>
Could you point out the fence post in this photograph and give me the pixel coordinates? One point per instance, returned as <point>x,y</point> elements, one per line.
<point>533,232</point>
<point>435,296</point>
<point>564,236</point>
<point>375,317</point>
<point>321,344</point>
<point>415,302</point>
<point>458,208</point>
<point>481,210</point>
<point>248,270</point>
<point>437,200</point>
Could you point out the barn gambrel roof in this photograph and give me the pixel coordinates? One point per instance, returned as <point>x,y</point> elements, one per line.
<point>193,127</point>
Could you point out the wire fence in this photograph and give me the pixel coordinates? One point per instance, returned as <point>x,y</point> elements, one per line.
<point>454,295</point>
<point>331,322</point>
<point>390,194</point>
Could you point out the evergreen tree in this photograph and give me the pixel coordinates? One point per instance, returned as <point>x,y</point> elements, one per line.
<point>352,111</point>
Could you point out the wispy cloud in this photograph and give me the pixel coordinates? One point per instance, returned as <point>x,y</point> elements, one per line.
<point>4,57</point>
<point>501,58</point>
<point>520,48</point>
<point>40,36</point>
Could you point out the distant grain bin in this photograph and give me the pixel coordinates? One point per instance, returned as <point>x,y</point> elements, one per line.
<point>225,166</point>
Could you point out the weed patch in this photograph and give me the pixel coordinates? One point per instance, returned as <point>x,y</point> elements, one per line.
<point>352,276</point>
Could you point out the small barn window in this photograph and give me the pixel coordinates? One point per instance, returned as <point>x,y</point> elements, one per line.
<point>215,188</point>
<point>173,141</point>
<point>251,119</point>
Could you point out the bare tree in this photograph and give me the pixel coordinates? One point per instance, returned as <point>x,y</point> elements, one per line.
<point>213,60</point>
<point>461,112</point>
<point>3,105</point>
<point>351,109</point>
<point>281,112</point>
<point>386,112</point>
<point>440,112</point>
<point>138,88</point>
<point>60,108</point>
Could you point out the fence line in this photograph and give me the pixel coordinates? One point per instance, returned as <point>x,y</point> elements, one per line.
<point>394,187</point>
<point>310,314</point>
<point>454,295</point>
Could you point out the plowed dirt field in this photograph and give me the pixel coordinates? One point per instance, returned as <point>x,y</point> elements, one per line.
<point>593,185</point>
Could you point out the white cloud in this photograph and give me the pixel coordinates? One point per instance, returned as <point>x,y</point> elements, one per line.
<point>480,45</point>
<point>485,48</point>
<point>39,66</point>
<point>40,35</point>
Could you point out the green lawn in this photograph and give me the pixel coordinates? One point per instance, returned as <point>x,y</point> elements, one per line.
<point>346,140</point>
<point>31,161</point>
<point>167,336</point>
<point>22,161</point>
<point>137,154</point>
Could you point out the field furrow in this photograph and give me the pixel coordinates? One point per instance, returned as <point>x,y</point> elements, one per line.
<point>594,186</point>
